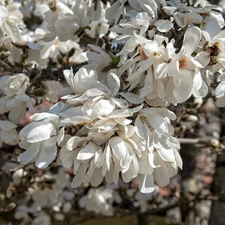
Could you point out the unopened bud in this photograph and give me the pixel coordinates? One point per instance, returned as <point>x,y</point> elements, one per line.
<point>2,197</point>
<point>60,60</point>
<point>215,143</point>
<point>71,52</point>
<point>192,118</point>
<point>35,72</point>
<point>10,207</point>
<point>198,102</point>
<point>4,55</point>
<point>100,42</point>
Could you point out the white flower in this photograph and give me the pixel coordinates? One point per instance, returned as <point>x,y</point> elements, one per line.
<point>11,21</point>
<point>39,138</point>
<point>15,100</point>
<point>81,153</point>
<point>18,176</point>
<point>183,70</point>
<point>97,200</point>
<point>16,106</point>
<point>64,22</point>
<point>14,85</point>
<point>159,159</point>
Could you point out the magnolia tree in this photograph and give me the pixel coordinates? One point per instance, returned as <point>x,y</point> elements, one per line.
<point>112,73</point>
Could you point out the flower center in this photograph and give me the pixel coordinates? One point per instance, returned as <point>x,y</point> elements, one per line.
<point>142,54</point>
<point>182,62</point>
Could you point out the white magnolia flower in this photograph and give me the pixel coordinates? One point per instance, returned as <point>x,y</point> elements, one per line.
<point>159,159</point>
<point>40,138</point>
<point>15,100</point>
<point>64,22</point>
<point>16,106</point>
<point>14,85</point>
<point>11,22</point>
<point>93,99</point>
<point>81,153</point>
<point>97,200</point>
<point>98,26</point>
<point>183,70</point>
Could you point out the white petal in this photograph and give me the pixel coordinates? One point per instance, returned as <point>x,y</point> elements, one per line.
<point>118,146</point>
<point>42,131</point>
<point>144,167</point>
<point>3,11</point>
<point>44,115</point>
<point>220,102</point>
<point>163,25</point>
<point>145,183</point>
<point>202,59</point>
<point>220,90</point>
<point>158,123</point>
<point>18,113</point>
<point>121,103</point>
<point>191,40</point>
<point>97,177</point>
<point>74,142</point>
<point>132,98</point>
<point>160,174</point>
<point>71,112</point>
<point>47,153</point>
<point>30,153</point>
<point>104,107</point>
<point>90,173</point>
<point>178,159</point>
<point>88,152</point>
<point>113,82</point>
<point>166,155</point>
<point>6,125</point>
<point>79,177</point>
<point>183,86</point>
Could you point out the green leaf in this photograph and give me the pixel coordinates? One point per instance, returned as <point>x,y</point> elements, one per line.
<point>116,60</point>
<point>87,27</point>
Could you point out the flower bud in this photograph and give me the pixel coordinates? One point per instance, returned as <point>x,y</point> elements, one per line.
<point>215,143</point>
<point>71,52</point>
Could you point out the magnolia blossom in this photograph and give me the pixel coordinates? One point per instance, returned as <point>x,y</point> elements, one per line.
<point>40,138</point>
<point>66,21</point>
<point>15,100</point>
<point>98,201</point>
<point>14,85</point>
<point>111,122</point>
<point>11,21</point>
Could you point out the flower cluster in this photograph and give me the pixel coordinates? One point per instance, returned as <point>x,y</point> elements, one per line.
<point>113,120</point>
